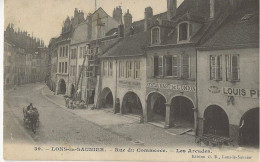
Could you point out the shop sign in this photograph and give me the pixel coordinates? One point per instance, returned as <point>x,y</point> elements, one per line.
<point>129,84</point>
<point>174,87</point>
<point>240,92</point>
<point>214,89</point>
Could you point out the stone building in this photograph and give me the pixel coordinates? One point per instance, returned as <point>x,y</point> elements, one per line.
<point>228,77</point>
<point>19,51</point>
<point>84,42</point>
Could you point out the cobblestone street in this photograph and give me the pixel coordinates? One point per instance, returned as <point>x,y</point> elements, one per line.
<point>82,126</point>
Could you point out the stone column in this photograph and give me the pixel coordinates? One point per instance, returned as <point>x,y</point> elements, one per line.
<point>167,116</point>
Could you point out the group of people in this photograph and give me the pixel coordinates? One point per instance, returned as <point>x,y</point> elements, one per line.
<point>72,104</point>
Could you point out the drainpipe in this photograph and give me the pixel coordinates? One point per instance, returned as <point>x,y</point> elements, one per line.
<point>196,98</point>
<point>76,66</point>
<point>116,90</point>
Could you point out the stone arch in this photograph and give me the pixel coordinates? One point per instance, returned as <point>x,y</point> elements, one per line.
<point>182,111</point>
<point>156,108</point>
<point>105,99</point>
<point>131,104</point>
<point>62,87</point>
<point>249,128</point>
<point>216,121</point>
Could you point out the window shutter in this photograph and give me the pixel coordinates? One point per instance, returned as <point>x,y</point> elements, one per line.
<point>161,64</point>
<point>228,67</point>
<point>218,68</point>
<point>234,67</point>
<point>175,65</point>
<point>212,67</point>
<point>168,65</point>
<point>185,66</point>
<point>156,64</point>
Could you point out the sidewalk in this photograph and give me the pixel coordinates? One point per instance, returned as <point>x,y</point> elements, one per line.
<point>127,126</point>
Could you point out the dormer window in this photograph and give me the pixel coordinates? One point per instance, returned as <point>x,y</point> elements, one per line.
<point>183,31</point>
<point>155,35</point>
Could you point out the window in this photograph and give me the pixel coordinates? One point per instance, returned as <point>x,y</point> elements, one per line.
<point>60,51</point>
<point>183,31</point>
<point>215,68</point>
<point>158,66</point>
<point>104,68</point>
<point>62,67</point>
<point>129,69</point>
<point>175,66</point>
<point>59,67</point>
<point>89,71</point>
<point>121,69</point>
<point>84,51</point>
<point>110,69</point>
<point>66,68</point>
<point>137,70</point>
<point>168,65</point>
<point>155,36</point>
<point>67,50</point>
<point>185,66</point>
<point>63,52</point>
<point>232,67</point>
<point>80,54</point>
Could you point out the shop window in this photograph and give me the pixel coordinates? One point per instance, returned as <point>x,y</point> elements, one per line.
<point>232,67</point>
<point>155,35</point>
<point>158,66</point>
<point>183,31</point>
<point>137,70</point>
<point>215,68</point>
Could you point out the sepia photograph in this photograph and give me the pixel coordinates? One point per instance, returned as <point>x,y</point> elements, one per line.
<point>131,80</point>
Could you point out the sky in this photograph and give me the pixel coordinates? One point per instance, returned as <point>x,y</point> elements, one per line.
<point>44,18</point>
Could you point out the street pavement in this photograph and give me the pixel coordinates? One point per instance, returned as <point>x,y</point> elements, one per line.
<point>62,126</point>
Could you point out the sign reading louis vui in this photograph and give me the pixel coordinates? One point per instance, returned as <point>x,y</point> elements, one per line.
<point>240,92</point>
<point>187,88</point>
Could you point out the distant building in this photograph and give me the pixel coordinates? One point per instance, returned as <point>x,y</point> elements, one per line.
<point>20,57</point>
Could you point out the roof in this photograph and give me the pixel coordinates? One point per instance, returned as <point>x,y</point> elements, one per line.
<point>80,33</point>
<point>65,36</point>
<point>130,46</point>
<point>240,28</point>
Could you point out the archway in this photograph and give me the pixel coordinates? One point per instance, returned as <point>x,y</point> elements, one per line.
<point>182,113</point>
<point>156,107</point>
<point>216,121</point>
<point>106,99</point>
<point>72,90</point>
<point>131,104</point>
<point>62,86</point>
<point>249,128</point>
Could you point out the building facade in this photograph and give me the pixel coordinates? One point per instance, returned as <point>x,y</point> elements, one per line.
<point>228,78</point>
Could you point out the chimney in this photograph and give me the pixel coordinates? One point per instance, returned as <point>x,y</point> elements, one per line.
<point>148,14</point>
<point>89,22</point>
<point>171,9</point>
<point>127,22</point>
<point>121,30</point>
<point>212,9</point>
<point>117,14</point>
